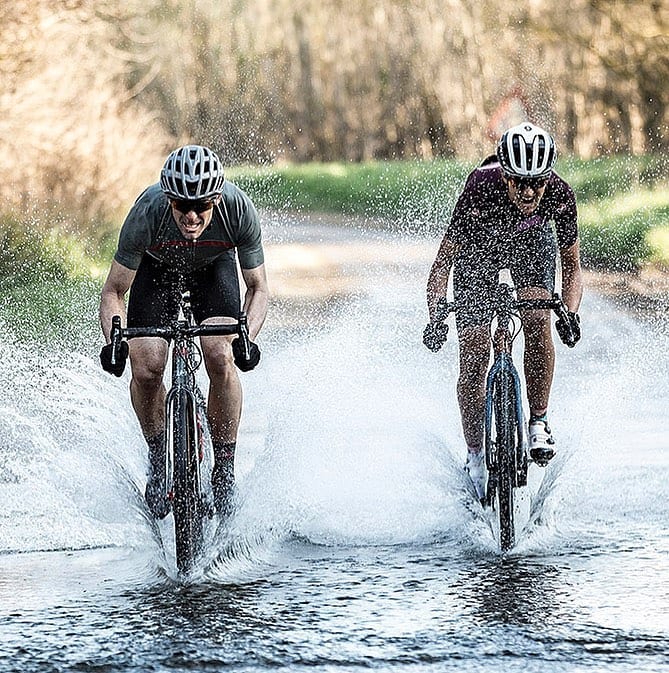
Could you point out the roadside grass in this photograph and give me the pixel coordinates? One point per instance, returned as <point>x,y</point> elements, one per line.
<point>48,291</point>
<point>50,279</point>
<point>658,240</point>
<point>605,177</point>
<point>623,200</point>
<point>626,231</point>
<point>396,191</point>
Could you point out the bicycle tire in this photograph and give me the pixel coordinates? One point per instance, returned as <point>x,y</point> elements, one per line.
<point>187,505</point>
<point>504,406</point>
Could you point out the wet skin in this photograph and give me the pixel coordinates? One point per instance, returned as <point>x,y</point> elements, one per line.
<point>525,197</point>
<point>191,224</point>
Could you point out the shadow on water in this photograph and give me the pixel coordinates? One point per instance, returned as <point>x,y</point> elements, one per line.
<point>516,591</point>
<point>198,610</point>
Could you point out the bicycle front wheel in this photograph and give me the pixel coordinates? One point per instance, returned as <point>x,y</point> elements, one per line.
<point>504,409</point>
<point>187,506</point>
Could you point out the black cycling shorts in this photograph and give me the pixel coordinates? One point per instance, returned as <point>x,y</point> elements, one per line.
<point>530,256</point>
<point>156,291</point>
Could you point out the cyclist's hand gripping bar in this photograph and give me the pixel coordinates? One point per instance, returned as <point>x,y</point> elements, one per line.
<point>246,354</point>
<point>113,356</point>
<point>568,324</point>
<point>436,332</point>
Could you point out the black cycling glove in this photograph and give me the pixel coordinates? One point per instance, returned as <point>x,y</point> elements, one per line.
<point>569,329</point>
<point>434,335</point>
<point>121,356</point>
<point>244,364</point>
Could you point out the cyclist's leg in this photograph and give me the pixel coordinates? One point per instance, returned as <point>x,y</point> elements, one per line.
<point>152,302</point>
<point>533,271</point>
<point>148,358</point>
<point>224,407</point>
<point>216,299</point>
<point>474,348</point>
<point>534,274</point>
<point>474,358</point>
<point>474,280</point>
<point>224,404</point>
<point>539,355</point>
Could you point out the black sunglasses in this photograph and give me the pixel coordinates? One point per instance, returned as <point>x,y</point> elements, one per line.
<point>196,206</point>
<point>532,183</point>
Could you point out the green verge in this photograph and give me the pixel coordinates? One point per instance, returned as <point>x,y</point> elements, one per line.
<point>623,210</point>
<point>49,288</point>
<point>391,191</point>
<point>622,200</point>
<point>626,231</point>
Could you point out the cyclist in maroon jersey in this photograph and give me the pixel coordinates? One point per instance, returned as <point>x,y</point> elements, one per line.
<point>514,213</point>
<point>187,233</point>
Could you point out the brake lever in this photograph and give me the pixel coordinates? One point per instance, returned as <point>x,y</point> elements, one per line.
<point>244,334</point>
<point>561,308</point>
<point>115,337</point>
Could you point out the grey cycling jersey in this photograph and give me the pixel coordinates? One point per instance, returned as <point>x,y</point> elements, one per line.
<point>150,229</point>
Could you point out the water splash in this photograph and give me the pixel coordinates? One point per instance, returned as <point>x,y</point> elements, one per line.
<point>70,466</point>
<point>350,436</point>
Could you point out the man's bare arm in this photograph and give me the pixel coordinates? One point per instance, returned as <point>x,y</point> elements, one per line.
<point>572,278</point>
<point>112,298</point>
<point>256,298</point>
<point>437,282</point>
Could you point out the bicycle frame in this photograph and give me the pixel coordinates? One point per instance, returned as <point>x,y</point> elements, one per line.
<point>185,423</point>
<point>504,424</point>
<point>504,371</point>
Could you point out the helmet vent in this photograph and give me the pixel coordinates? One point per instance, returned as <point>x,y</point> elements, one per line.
<point>192,172</point>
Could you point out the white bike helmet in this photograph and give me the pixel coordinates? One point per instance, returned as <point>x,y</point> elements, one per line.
<point>526,151</point>
<point>192,173</point>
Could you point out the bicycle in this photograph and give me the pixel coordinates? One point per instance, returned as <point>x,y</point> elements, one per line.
<point>505,444</point>
<point>188,487</point>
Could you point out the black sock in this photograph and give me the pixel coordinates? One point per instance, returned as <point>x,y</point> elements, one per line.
<point>156,453</point>
<point>224,459</point>
<point>224,451</point>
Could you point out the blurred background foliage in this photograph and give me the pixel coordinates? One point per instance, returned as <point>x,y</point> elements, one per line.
<point>96,92</point>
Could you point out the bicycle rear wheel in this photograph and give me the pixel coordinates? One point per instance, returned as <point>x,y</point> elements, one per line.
<point>505,424</point>
<point>187,506</point>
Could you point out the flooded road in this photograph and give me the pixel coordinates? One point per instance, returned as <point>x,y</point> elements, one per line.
<point>356,542</point>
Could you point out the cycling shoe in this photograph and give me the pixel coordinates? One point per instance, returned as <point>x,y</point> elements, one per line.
<point>475,468</point>
<point>542,444</point>
<point>156,498</point>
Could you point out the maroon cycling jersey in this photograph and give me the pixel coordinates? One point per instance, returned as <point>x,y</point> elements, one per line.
<point>485,215</point>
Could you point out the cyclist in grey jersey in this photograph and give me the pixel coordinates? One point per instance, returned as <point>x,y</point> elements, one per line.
<point>185,234</point>
<point>514,212</point>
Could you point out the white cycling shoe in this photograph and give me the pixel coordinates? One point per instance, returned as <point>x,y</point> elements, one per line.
<point>476,469</point>
<point>541,442</point>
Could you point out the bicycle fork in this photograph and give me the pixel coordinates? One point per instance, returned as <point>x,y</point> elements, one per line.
<point>171,415</point>
<point>181,391</point>
<point>504,373</point>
